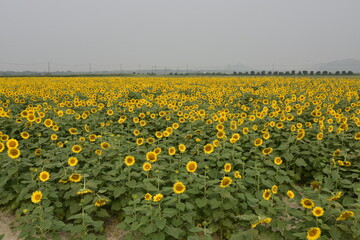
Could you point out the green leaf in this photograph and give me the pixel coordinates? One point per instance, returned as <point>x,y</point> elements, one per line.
<point>150,228</point>
<point>160,223</point>
<point>201,202</point>
<point>180,206</point>
<point>215,203</point>
<point>175,232</point>
<point>300,162</point>
<point>158,236</point>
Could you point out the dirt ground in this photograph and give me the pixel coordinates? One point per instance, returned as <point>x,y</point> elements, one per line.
<point>8,221</point>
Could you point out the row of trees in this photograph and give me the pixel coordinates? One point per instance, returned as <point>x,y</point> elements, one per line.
<point>293,72</point>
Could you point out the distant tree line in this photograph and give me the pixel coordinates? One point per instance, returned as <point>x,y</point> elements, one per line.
<point>293,72</point>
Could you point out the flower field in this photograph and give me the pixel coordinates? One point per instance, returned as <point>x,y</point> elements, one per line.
<point>182,157</point>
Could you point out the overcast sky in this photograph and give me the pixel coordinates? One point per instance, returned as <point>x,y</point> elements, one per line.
<point>176,33</point>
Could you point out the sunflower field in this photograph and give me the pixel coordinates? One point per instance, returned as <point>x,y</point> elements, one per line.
<point>182,157</point>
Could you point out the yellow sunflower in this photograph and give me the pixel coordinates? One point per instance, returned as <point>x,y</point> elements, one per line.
<point>267,194</point>
<point>225,182</point>
<point>208,148</point>
<point>147,166</point>
<point>148,197</point>
<point>151,156</point>
<point>237,174</point>
<point>75,177</point>
<point>72,161</point>
<point>227,167</point>
<point>179,187</point>
<point>158,197</point>
<point>104,145</point>
<point>36,196</point>
<point>318,211</point>
<point>172,151</point>
<point>345,215</point>
<point>25,135</point>
<point>307,203</point>
<point>258,142</point>
<point>313,233</point>
<point>12,143</point>
<point>13,153</point>
<point>76,148</point>
<point>278,160</point>
<point>182,148</point>
<point>44,176</point>
<point>129,161</point>
<point>290,194</point>
<point>191,166</point>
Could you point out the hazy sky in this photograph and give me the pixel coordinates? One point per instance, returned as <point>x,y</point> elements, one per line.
<point>176,33</point>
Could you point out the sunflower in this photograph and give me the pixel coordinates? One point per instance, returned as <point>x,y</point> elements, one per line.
<point>227,167</point>
<point>72,161</point>
<point>267,151</point>
<point>301,134</point>
<point>313,233</point>
<point>2,147</point>
<point>54,137</point>
<point>216,143</point>
<point>98,152</point>
<point>76,148</point>
<point>147,166</point>
<point>290,194</point>
<point>129,161</point>
<point>36,196</point>
<point>258,142</point>
<point>75,177</point>
<point>267,194</point>
<point>150,140</point>
<point>345,215</point>
<point>100,202</point>
<point>274,189</point>
<point>148,197</point>
<point>104,145</point>
<point>226,181</point>
<point>92,137</point>
<point>357,136</point>
<point>318,211</point>
<point>320,136</point>
<point>236,136</point>
<point>12,143</point>
<point>191,166</point>
<point>73,131</point>
<point>237,175</point>
<point>336,152</point>
<point>13,153</point>
<point>48,122</point>
<point>182,148</point>
<point>151,156</point>
<point>307,203</point>
<point>337,196</point>
<point>25,135</point>
<point>157,151</point>
<point>159,134</point>
<point>84,191</point>
<point>139,141</point>
<point>158,197</point>
<point>278,160</point>
<point>44,176</point>
<point>179,187</point>
<point>172,150</point>
<point>208,148</point>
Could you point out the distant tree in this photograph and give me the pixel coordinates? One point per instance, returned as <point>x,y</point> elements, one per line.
<point>263,72</point>
<point>281,73</point>
<point>318,73</point>
<point>276,73</point>
<point>325,73</point>
<point>240,73</point>
<point>343,72</point>
<point>311,72</point>
<point>287,73</point>
<point>269,73</point>
<point>337,73</point>
<point>293,72</point>
<point>305,72</point>
<point>299,73</point>
<point>234,73</point>
<point>246,73</point>
<point>252,72</point>
<point>350,73</point>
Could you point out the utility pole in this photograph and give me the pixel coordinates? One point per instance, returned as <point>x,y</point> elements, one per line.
<point>120,68</point>
<point>49,67</point>
<point>187,68</point>
<point>139,69</point>
<point>229,69</point>
<point>165,69</point>
<point>155,69</point>
<point>90,68</point>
